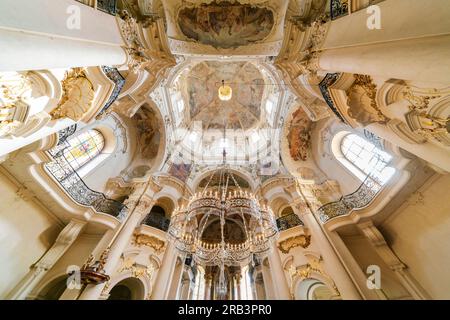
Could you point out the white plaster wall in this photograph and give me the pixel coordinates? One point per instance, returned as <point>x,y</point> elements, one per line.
<point>419,233</point>
<point>110,168</point>
<point>365,255</point>
<point>26,233</point>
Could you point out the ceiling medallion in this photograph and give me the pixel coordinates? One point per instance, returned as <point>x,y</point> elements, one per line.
<point>225,92</point>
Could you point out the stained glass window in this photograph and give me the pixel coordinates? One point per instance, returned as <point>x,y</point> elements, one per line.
<point>84,147</point>
<point>368,158</point>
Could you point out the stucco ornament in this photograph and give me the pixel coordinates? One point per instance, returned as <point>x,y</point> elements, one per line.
<point>362,103</point>
<point>78,96</point>
<point>15,93</point>
<point>299,241</point>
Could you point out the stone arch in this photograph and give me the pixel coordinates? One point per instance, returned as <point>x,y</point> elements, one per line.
<point>128,287</point>
<point>52,289</point>
<point>312,289</point>
<point>239,173</point>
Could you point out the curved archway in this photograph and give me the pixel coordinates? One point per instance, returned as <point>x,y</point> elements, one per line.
<point>128,289</point>
<point>361,157</point>
<point>312,289</point>
<point>241,177</point>
<point>157,218</point>
<point>54,289</point>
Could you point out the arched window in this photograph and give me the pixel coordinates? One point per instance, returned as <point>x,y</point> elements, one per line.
<point>84,147</point>
<point>367,158</point>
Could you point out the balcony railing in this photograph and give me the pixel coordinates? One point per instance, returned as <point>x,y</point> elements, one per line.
<point>288,221</point>
<point>359,199</point>
<point>339,8</point>
<point>114,75</point>
<point>72,183</point>
<point>108,6</point>
<point>157,221</point>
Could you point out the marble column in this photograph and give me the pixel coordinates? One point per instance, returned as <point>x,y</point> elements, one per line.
<point>175,281</point>
<point>184,289</point>
<point>333,264</point>
<point>47,34</point>
<point>267,279</point>
<point>278,276</point>
<point>427,151</point>
<point>165,273</point>
<point>409,45</point>
<point>237,282</point>
<point>208,286</point>
<point>37,272</point>
<point>139,204</point>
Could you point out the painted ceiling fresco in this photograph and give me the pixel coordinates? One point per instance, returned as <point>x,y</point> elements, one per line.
<point>299,135</point>
<point>149,133</point>
<point>180,170</point>
<point>243,111</point>
<point>226,25</point>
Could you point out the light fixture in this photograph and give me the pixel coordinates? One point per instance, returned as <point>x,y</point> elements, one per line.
<point>225,92</point>
<point>223,203</point>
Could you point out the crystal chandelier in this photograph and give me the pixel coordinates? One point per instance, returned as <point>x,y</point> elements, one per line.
<point>224,204</point>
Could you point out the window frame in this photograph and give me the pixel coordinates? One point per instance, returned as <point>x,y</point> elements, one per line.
<point>109,147</point>
<point>338,152</point>
<point>81,139</point>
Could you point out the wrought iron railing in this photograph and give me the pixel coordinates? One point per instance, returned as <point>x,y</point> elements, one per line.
<point>157,221</point>
<point>288,221</point>
<point>359,199</point>
<point>72,183</point>
<point>114,75</point>
<point>324,85</point>
<point>108,6</point>
<point>339,8</point>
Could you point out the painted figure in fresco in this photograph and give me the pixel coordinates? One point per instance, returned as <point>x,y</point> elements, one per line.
<point>226,25</point>
<point>241,112</point>
<point>147,124</point>
<point>299,135</point>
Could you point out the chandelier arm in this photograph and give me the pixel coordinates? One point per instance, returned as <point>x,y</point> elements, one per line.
<point>207,184</point>
<point>204,225</point>
<point>245,224</point>
<point>235,182</point>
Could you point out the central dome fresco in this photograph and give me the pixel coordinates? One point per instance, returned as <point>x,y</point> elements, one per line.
<point>200,87</point>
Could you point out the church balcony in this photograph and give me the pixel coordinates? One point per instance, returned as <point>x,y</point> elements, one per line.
<point>156,221</point>
<point>372,201</point>
<point>69,180</point>
<point>288,221</point>
<point>359,199</point>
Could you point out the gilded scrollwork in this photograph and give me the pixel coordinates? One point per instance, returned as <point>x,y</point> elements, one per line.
<point>78,96</point>
<point>15,93</point>
<point>298,241</point>
<point>144,240</point>
<point>362,102</point>
<point>308,270</point>
<point>137,270</point>
<point>424,118</point>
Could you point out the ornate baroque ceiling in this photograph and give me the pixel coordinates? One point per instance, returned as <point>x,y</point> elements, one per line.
<point>200,87</point>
